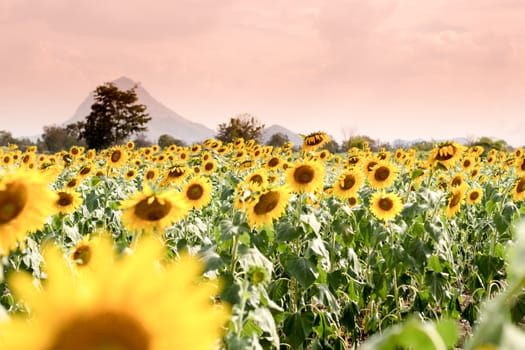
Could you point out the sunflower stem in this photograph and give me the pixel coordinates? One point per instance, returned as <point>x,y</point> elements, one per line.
<point>235,249</point>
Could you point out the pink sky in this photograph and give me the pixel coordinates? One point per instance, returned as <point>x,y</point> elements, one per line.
<point>384,68</point>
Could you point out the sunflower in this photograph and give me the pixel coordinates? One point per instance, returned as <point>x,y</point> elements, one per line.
<point>153,212</point>
<point>313,141</point>
<point>457,181</point>
<point>197,192</point>
<point>306,176</point>
<point>273,163</point>
<point>382,175</point>
<point>25,203</point>
<point>117,157</point>
<point>520,165</point>
<point>467,163</point>
<point>209,166</point>
<point>446,153</point>
<point>475,195</point>
<point>385,206</point>
<point>347,184</point>
<point>175,175</point>
<point>353,200</point>
<point>369,164</point>
<point>518,192</point>
<point>85,171</point>
<point>268,205</point>
<point>105,308</point>
<point>454,201</point>
<point>151,174</point>
<point>67,201</point>
<point>256,179</point>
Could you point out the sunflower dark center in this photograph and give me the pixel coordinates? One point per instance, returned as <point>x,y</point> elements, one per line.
<point>82,255</point>
<point>64,199</point>
<point>456,181</point>
<point>386,204</point>
<point>115,156</point>
<point>176,172</point>
<point>152,209</point>
<point>348,182</point>
<point>444,154</point>
<point>381,173</point>
<point>522,167</point>
<point>85,170</point>
<point>454,201</point>
<point>12,201</point>
<point>267,202</point>
<point>352,201</point>
<point>130,173</point>
<point>273,162</point>
<point>195,192</point>
<point>304,174</point>
<point>371,165</point>
<point>521,185</point>
<point>71,183</point>
<point>258,179</point>
<point>103,330</point>
<point>150,175</point>
<point>474,195</point>
<point>208,166</point>
<point>466,163</point>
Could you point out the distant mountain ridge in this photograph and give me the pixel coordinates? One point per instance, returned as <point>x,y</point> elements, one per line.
<point>293,137</point>
<point>163,120</point>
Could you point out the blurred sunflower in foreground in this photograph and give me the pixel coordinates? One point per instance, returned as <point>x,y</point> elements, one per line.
<point>135,301</point>
<point>25,203</point>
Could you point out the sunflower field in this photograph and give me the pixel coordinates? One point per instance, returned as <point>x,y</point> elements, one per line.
<point>245,246</point>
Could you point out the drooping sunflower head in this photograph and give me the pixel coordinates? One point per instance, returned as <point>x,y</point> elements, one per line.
<point>446,153</point>
<point>153,212</point>
<point>382,175</point>
<point>268,205</point>
<point>306,176</point>
<point>197,192</point>
<point>385,206</point>
<point>25,203</point>
<point>175,175</point>
<point>457,181</point>
<point>315,140</point>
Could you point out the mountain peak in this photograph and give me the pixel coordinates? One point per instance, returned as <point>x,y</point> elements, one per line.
<point>125,83</point>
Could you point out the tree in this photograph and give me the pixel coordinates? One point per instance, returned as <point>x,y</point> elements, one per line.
<point>6,138</point>
<point>278,140</point>
<point>166,140</point>
<point>56,138</point>
<point>243,125</point>
<point>115,115</point>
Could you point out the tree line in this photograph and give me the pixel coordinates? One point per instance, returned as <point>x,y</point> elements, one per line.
<point>117,117</point>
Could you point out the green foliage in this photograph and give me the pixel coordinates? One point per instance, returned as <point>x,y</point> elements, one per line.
<point>166,140</point>
<point>277,140</point>
<point>56,138</point>
<point>243,126</point>
<point>115,115</point>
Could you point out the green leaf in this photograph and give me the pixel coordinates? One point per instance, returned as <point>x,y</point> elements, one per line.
<point>301,269</point>
<point>312,221</point>
<point>298,327</point>
<point>285,232</point>
<point>264,319</point>
<point>448,330</point>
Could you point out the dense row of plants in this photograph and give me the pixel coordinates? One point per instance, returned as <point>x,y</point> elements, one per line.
<point>303,249</point>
